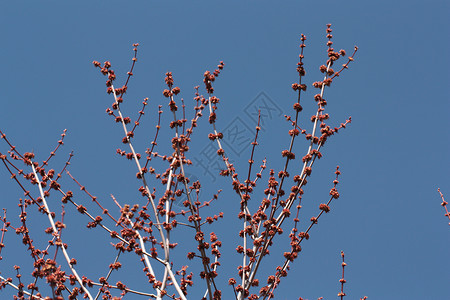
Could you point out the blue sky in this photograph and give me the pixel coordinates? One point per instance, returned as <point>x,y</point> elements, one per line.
<point>393,156</point>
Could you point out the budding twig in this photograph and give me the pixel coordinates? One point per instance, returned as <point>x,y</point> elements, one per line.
<point>55,232</point>
<point>444,205</point>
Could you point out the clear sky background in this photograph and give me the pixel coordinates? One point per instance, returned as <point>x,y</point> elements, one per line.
<point>393,156</point>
